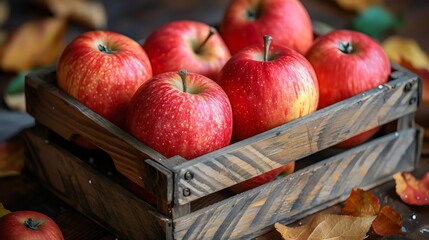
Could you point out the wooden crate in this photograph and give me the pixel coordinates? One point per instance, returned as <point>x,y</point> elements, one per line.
<point>193,197</point>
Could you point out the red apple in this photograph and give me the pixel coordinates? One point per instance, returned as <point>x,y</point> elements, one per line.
<point>180,113</point>
<point>28,225</point>
<point>287,21</point>
<point>102,70</point>
<point>190,45</point>
<point>267,86</point>
<point>348,63</point>
<point>263,178</point>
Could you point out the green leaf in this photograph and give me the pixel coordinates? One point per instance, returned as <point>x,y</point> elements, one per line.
<point>376,22</point>
<point>16,85</point>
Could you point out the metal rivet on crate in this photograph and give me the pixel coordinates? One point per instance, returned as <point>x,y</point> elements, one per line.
<point>189,175</point>
<point>186,192</point>
<point>412,100</point>
<point>408,86</point>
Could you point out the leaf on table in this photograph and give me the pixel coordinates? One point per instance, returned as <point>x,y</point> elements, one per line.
<point>361,203</point>
<point>375,21</point>
<point>388,222</point>
<point>12,155</point>
<point>400,48</point>
<point>89,13</point>
<point>4,11</point>
<point>357,5</point>
<point>411,190</point>
<point>3,211</point>
<point>328,226</point>
<point>408,53</point>
<point>35,44</point>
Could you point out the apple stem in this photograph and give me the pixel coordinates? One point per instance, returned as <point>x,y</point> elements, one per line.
<point>31,224</point>
<point>211,32</point>
<point>184,75</point>
<point>345,47</point>
<point>267,43</point>
<point>103,48</point>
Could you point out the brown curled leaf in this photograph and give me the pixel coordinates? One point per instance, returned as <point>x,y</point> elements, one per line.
<point>34,44</point>
<point>361,203</point>
<point>388,222</point>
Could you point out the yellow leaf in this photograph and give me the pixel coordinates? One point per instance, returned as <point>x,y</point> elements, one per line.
<point>357,5</point>
<point>329,226</point>
<point>3,211</point>
<point>405,49</point>
<point>34,44</point>
<point>12,156</point>
<point>90,13</point>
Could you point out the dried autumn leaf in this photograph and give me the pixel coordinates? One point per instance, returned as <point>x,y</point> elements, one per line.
<point>3,211</point>
<point>90,13</point>
<point>411,190</point>
<point>388,222</point>
<point>12,155</point>
<point>405,49</point>
<point>35,44</point>
<point>357,5</point>
<point>328,226</point>
<point>361,203</point>
<point>408,53</point>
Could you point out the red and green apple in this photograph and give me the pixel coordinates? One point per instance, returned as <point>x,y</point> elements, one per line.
<point>190,45</point>
<point>348,63</point>
<point>30,225</point>
<point>245,22</point>
<point>181,113</point>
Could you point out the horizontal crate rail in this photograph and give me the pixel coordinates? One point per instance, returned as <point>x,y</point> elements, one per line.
<point>297,139</point>
<point>304,192</point>
<point>92,193</point>
<point>232,164</point>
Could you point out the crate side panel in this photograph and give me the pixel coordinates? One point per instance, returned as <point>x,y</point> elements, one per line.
<point>68,118</point>
<point>295,140</point>
<point>93,194</point>
<point>303,192</point>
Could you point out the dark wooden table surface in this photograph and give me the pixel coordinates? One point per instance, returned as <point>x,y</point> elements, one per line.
<point>137,19</point>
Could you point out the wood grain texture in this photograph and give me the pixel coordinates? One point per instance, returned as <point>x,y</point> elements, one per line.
<point>230,165</point>
<point>297,139</point>
<point>311,189</point>
<point>93,194</point>
<point>69,118</point>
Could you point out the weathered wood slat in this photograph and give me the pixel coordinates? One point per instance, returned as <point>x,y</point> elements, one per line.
<point>307,191</point>
<point>69,118</point>
<point>93,194</point>
<point>297,139</point>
